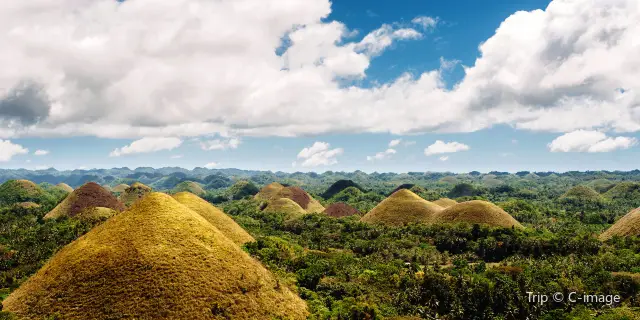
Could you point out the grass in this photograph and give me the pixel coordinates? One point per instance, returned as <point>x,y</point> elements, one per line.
<point>90,195</point>
<point>64,187</point>
<point>341,209</point>
<point>402,207</point>
<point>215,216</point>
<point>189,186</point>
<point>269,191</point>
<point>158,260</point>
<point>624,190</point>
<point>15,191</point>
<point>120,188</point>
<point>275,191</point>
<point>583,193</point>
<point>627,226</point>
<point>134,193</point>
<point>445,202</point>
<point>477,212</point>
<point>286,206</point>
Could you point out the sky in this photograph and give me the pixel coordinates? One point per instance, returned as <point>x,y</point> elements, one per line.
<point>346,85</point>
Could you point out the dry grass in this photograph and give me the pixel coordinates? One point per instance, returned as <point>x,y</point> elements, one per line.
<point>29,186</point>
<point>286,206</point>
<point>627,226</point>
<point>64,187</point>
<point>269,192</point>
<point>445,202</point>
<point>134,193</point>
<point>89,195</point>
<point>477,212</point>
<point>189,186</point>
<point>158,260</point>
<point>340,209</point>
<point>215,216</point>
<point>401,208</point>
<point>27,205</point>
<point>120,188</point>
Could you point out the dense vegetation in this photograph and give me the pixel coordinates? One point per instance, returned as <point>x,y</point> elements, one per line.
<point>346,269</point>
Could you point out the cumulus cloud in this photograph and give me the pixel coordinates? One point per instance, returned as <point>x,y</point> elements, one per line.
<point>41,153</point>
<point>425,22</point>
<point>319,154</point>
<point>197,67</point>
<point>440,147</point>
<point>382,155</point>
<point>146,145</point>
<point>220,144</point>
<point>590,141</point>
<point>8,150</point>
<point>394,143</point>
<point>211,165</point>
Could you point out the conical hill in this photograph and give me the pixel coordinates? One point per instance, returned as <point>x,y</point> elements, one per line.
<point>477,212</point>
<point>215,216</point>
<point>627,226</point>
<point>401,208</point>
<point>82,201</point>
<point>158,260</point>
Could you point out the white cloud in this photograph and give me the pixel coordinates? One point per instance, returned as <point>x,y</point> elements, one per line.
<point>41,152</point>
<point>220,144</point>
<point>122,70</point>
<point>319,154</point>
<point>440,147</point>
<point>409,143</point>
<point>177,156</point>
<point>394,143</point>
<point>146,145</point>
<point>590,141</point>
<point>382,155</point>
<point>444,158</point>
<point>211,165</point>
<point>425,22</point>
<point>8,150</point>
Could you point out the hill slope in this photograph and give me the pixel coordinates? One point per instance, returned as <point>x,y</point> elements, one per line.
<point>158,260</point>
<point>401,208</point>
<point>15,191</point>
<point>189,186</point>
<point>477,211</point>
<point>88,196</point>
<point>338,186</point>
<point>275,191</point>
<point>445,202</point>
<point>627,226</point>
<point>64,187</point>
<point>341,209</point>
<point>582,193</point>
<point>215,216</point>
<point>134,193</point>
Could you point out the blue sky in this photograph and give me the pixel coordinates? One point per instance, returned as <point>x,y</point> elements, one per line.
<point>462,26</point>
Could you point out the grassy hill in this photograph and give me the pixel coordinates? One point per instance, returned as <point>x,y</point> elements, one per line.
<point>158,260</point>
<point>15,191</point>
<point>627,226</point>
<point>338,186</point>
<point>445,202</point>
<point>582,193</point>
<point>476,212</point>
<point>215,216</point>
<point>82,201</point>
<point>341,209</point>
<point>189,186</point>
<point>401,208</point>
<point>134,193</point>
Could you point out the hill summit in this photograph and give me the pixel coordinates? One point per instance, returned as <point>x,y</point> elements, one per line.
<point>401,208</point>
<point>477,212</point>
<point>64,186</point>
<point>275,191</point>
<point>15,191</point>
<point>83,201</point>
<point>341,209</point>
<point>134,193</point>
<point>158,260</point>
<point>627,226</point>
<point>215,216</point>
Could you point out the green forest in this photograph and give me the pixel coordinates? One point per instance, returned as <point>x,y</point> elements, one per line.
<point>346,268</point>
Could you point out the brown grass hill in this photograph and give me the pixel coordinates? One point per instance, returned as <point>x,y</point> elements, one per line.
<point>215,216</point>
<point>65,187</point>
<point>120,188</point>
<point>581,193</point>
<point>341,209</point>
<point>627,226</point>
<point>269,191</point>
<point>624,191</point>
<point>189,186</point>
<point>134,193</point>
<point>284,205</point>
<point>158,260</point>
<point>16,191</point>
<point>445,202</point>
<point>275,191</point>
<point>402,207</point>
<point>409,186</point>
<point>82,201</point>
<point>477,212</point>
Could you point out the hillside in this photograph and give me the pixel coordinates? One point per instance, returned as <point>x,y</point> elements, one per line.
<point>338,186</point>
<point>476,212</point>
<point>287,206</point>
<point>134,193</point>
<point>65,187</point>
<point>88,196</point>
<point>402,207</point>
<point>582,193</point>
<point>275,191</point>
<point>341,209</point>
<point>15,191</point>
<point>215,216</point>
<point>627,226</point>
<point>445,202</point>
<point>624,190</point>
<point>189,186</point>
<point>158,260</point>
<point>120,188</point>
